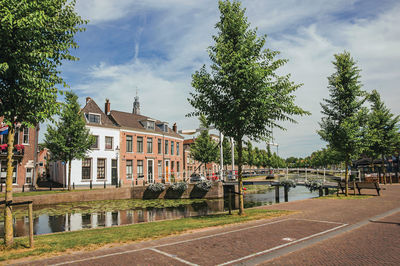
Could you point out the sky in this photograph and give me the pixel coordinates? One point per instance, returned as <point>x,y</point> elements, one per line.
<point>152,47</point>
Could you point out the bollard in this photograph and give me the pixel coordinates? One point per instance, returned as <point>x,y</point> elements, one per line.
<point>277,194</point>
<point>23,188</point>
<point>30,215</point>
<point>320,192</point>
<point>286,193</point>
<point>354,186</point>
<point>90,184</point>
<point>104,184</point>
<point>119,183</point>
<point>326,191</point>
<point>73,186</point>
<point>1,187</point>
<point>51,186</point>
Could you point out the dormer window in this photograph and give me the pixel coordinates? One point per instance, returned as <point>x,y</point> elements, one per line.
<point>92,118</point>
<point>148,124</point>
<point>163,127</point>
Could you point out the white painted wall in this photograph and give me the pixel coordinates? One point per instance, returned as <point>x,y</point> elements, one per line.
<point>76,166</point>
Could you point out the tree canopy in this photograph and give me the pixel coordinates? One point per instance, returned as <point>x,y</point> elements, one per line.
<point>241,94</point>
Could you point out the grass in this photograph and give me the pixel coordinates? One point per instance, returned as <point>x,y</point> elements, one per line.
<point>99,206</point>
<point>349,197</point>
<point>45,192</point>
<point>254,189</point>
<point>53,244</point>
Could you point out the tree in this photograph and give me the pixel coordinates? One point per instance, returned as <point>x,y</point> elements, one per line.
<point>227,152</point>
<point>69,139</point>
<point>35,37</point>
<point>342,125</point>
<point>204,149</point>
<point>381,137</point>
<point>242,95</point>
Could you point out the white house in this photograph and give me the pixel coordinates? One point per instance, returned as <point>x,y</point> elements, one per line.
<point>101,164</point>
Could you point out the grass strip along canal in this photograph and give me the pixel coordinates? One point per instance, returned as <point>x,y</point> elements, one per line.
<point>52,244</point>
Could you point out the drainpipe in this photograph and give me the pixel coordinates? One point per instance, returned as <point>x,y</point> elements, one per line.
<point>35,158</point>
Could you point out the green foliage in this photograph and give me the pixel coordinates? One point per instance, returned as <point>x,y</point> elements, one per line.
<point>342,124</point>
<point>242,96</point>
<point>382,131</point>
<point>227,151</point>
<point>288,183</point>
<point>204,185</point>
<point>314,184</point>
<point>35,37</point>
<point>179,187</point>
<point>156,187</point>
<point>204,149</point>
<point>69,138</point>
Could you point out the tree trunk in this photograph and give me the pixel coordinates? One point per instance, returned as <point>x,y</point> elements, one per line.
<point>69,175</point>
<point>8,219</point>
<point>383,169</point>
<point>240,181</point>
<point>346,178</point>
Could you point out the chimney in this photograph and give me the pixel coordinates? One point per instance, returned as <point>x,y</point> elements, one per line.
<point>88,99</point>
<point>107,107</point>
<point>175,128</point>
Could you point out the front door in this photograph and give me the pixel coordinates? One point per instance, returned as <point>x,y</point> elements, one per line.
<point>114,172</point>
<point>150,172</point>
<point>166,171</point>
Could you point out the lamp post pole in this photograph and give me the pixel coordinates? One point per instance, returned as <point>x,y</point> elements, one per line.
<point>221,153</point>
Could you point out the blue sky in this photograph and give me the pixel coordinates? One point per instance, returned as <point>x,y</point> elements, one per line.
<point>154,46</point>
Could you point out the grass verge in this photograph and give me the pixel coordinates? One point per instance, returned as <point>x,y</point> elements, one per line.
<point>349,197</point>
<point>47,245</point>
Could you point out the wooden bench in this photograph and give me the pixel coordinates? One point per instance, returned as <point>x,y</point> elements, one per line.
<point>360,185</point>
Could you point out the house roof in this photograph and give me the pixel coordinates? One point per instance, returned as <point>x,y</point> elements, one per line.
<point>92,107</point>
<point>132,121</point>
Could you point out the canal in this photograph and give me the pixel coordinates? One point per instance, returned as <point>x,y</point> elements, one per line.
<point>78,216</point>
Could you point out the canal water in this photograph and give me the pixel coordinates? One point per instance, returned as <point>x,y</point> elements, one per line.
<point>45,223</point>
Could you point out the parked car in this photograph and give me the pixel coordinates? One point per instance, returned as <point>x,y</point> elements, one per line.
<point>195,177</point>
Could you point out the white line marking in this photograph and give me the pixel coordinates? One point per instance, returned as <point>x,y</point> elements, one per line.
<point>281,246</point>
<point>173,257</point>
<point>164,245</point>
<point>185,241</point>
<point>311,220</point>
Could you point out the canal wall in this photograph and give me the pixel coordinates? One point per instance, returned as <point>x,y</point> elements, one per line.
<point>215,192</point>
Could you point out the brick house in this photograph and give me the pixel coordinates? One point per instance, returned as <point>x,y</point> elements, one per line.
<point>130,149</point>
<point>150,150</point>
<point>25,156</point>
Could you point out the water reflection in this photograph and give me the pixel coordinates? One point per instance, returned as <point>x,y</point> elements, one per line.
<point>45,223</point>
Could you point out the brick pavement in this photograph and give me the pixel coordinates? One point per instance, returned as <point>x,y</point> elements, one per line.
<point>311,236</point>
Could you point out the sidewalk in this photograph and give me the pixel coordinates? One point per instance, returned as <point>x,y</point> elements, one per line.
<point>322,232</point>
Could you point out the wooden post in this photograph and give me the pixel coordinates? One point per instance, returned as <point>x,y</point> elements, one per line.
<point>354,186</point>
<point>73,186</point>
<point>91,184</point>
<point>326,191</point>
<point>230,201</point>
<point>324,176</point>
<point>286,193</point>
<point>104,184</point>
<point>30,215</point>
<point>277,193</point>
<point>320,192</point>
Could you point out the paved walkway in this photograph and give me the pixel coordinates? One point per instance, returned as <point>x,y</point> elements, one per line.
<point>323,232</point>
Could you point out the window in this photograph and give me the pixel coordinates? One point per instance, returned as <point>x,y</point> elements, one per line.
<point>129,143</point>
<point>28,177</point>
<point>151,125</point>
<point>93,118</point>
<point>149,145</point>
<point>159,168</point>
<point>139,144</point>
<point>16,137</point>
<point>26,136</point>
<point>159,148</point>
<point>86,168</point>
<point>3,172</point>
<point>109,143</point>
<point>129,167</point>
<point>172,148</point>
<point>140,169</point>
<point>101,168</point>
<point>96,142</point>
<point>166,147</point>
<point>177,148</point>
<point>177,169</point>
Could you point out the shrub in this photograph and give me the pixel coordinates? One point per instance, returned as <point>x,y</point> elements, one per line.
<point>314,184</point>
<point>179,187</point>
<point>288,183</point>
<point>203,185</point>
<point>156,187</point>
